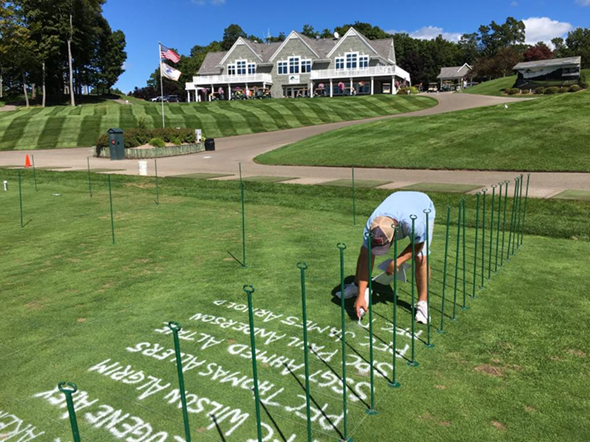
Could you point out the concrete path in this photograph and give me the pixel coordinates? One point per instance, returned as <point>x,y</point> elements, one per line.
<point>243,149</point>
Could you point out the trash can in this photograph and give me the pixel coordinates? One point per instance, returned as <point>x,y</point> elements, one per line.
<point>143,168</point>
<point>116,143</point>
<point>209,144</point>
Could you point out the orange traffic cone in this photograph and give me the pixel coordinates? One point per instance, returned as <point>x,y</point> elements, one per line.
<point>28,162</point>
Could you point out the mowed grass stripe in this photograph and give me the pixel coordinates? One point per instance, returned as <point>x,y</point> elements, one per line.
<point>83,124</point>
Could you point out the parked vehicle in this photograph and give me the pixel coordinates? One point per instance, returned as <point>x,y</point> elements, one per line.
<point>172,98</point>
<point>155,99</point>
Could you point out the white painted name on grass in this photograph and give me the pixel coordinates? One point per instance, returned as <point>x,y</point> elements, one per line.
<point>14,428</point>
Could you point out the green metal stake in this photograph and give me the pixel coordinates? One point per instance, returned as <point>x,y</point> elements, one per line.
<point>34,173</point>
<point>157,185</point>
<point>498,227</point>
<point>68,389</point>
<point>521,182</point>
<point>20,196</point>
<point>412,362</point>
<point>491,231</point>
<point>515,209</point>
<point>371,411</point>
<point>442,309</point>
<point>243,219</point>
<point>512,220</point>
<point>507,183</point>
<point>473,294</point>
<point>176,327</point>
<point>302,266</point>
<point>429,344</point>
<point>112,215</point>
<point>249,289</point>
<point>342,247</point>
<point>526,200</point>
<point>89,177</point>
<point>394,383</point>
<point>353,200</point>
<point>483,239</point>
<point>463,229</point>
<point>457,253</point>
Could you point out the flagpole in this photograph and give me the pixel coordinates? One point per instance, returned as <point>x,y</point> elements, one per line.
<point>161,83</point>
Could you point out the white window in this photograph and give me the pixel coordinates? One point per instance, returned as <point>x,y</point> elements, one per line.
<point>305,66</point>
<point>352,60</point>
<point>293,65</point>
<point>364,61</point>
<point>231,69</point>
<point>241,67</point>
<point>251,68</point>
<point>282,68</point>
<point>340,63</point>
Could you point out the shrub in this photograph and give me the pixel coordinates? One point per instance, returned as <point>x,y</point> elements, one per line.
<point>513,91</point>
<point>404,90</point>
<point>526,91</point>
<point>551,90</point>
<point>584,84</point>
<point>141,122</point>
<point>157,142</point>
<point>141,136</point>
<point>563,90</point>
<point>574,88</point>
<point>540,90</point>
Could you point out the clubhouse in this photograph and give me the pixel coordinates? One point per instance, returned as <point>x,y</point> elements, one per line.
<point>300,66</point>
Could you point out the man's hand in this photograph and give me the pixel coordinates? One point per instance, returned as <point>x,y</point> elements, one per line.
<point>360,303</point>
<point>391,267</point>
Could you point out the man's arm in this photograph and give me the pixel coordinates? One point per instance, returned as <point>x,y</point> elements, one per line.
<point>405,256</point>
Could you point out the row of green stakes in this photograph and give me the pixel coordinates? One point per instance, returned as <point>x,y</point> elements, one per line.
<point>516,236</point>
<point>490,240</point>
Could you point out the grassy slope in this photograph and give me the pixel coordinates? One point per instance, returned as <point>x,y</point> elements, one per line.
<point>509,369</point>
<point>546,134</point>
<point>492,87</point>
<point>62,126</point>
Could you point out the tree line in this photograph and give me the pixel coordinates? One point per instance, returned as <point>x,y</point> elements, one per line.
<point>492,51</point>
<point>58,47</point>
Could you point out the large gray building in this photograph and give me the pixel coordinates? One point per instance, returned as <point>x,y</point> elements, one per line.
<point>301,66</point>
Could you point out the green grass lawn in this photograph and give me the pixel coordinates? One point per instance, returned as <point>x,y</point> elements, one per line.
<point>549,134</point>
<point>511,368</point>
<point>63,126</point>
<point>492,87</point>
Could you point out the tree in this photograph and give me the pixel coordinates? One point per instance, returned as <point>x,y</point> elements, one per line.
<point>538,52</point>
<point>578,45</point>
<point>308,31</point>
<point>560,49</point>
<point>506,59</point>
<point>469,48</point>
<point>231,35</point>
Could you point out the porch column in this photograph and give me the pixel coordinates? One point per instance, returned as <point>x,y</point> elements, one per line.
<point>211,93</point>
<point>188,96</point>
<point>229,92</point>
<point>311,89</point>
<point>331,89</point>
<point>393,85</point>
<point>372,85</point>
<point>350,85</point>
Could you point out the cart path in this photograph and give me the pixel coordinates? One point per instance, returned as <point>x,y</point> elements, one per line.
<point>243,149</point>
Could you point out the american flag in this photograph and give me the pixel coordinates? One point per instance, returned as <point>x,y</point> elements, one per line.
<point>168,54</point>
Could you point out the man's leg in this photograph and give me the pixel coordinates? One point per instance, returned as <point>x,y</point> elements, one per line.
<point>421,277</point>
<point>362,277</point>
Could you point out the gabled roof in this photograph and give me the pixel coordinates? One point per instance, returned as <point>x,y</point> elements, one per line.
<point>556,62</point>
<point>454,72</point>
<point>211,63</point>
<point>239,42</point>
<point>294,34</point>
<point>351,31</point>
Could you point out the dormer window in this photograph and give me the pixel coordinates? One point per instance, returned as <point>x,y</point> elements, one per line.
<point>241,67</point>
<point>293,65</point>
<point>364,61</point>
<point>352,60</point>
<point>251,68</point>
<point>305,66</point>
<point>340,63</point>
<point>231,69</point>
<point>282,68</point>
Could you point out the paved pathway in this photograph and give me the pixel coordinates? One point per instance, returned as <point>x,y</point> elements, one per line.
<point>242,149</point>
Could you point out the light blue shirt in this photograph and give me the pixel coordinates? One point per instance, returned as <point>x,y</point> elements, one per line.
<point>399,206</point>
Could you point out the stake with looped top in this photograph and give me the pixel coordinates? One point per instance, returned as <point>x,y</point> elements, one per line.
<point>473,293</point>
<point>302,266</point>
<point>68,389</point>
<point>176,327</point>
<point>371,411</point>
<point>428,343</point>
<point>412,362</point>
<point>498,226</point>
<point>483,240</point>
<point>442,309</point>
<point>491,231</point>
<point>342,247</point>
<point>34,173</point>
<point>457,253</point>
<point>507,183</point>
<point>394,383</point>
<point>464,229</point>
<point>249,289</point>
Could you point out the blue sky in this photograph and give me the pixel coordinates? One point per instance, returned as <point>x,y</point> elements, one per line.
<point>185,23</point>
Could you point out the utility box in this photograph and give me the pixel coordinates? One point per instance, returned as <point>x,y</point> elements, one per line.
<point>209,144</point>
<point>116,143</point>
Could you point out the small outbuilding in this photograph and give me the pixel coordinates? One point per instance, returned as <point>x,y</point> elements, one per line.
<point>454,78</point>
<point>555,72</point>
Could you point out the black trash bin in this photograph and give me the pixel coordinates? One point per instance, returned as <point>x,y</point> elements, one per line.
<point>209,144</point>
<point>116,143</point>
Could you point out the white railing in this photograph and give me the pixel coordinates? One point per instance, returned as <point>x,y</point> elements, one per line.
<point>373,71</point>
<point>231,79</point>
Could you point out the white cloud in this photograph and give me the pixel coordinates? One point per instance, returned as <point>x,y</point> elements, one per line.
<point>583,2</point>
<point>544,29</point>
<point>430,33</point>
